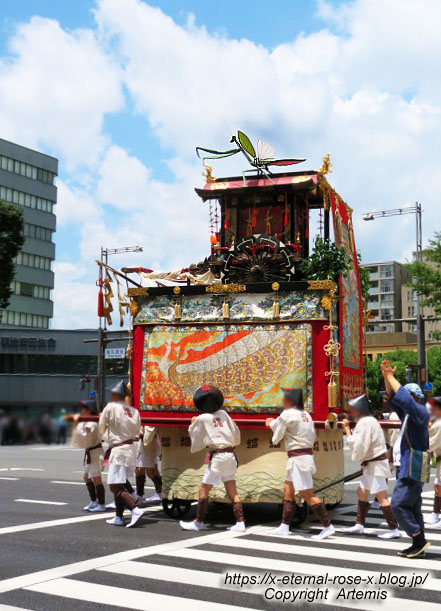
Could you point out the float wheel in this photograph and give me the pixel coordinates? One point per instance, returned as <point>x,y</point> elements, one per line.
<point>176,508</point>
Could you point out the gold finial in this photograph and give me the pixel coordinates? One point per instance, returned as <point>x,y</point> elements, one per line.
<point>177,290</point>
<point>208,174</point>
<point>275,286</point>
<point>327,165</point>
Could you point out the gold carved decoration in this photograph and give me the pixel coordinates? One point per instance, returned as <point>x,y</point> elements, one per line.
<point>226,288</point>
<point>208,174</point>
<point>275,286</point>
<point>322,285</point>
<point>134,307</point>
<point>219,185</point>
<point>327,165</point>
<point>177,290</point>
<point>138,292</point>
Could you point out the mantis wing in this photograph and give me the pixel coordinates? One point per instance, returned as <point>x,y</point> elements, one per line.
<point>265,150</point>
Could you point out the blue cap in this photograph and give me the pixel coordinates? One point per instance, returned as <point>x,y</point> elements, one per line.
<point>415,390</point>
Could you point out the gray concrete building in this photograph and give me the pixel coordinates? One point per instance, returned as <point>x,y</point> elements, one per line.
<point>45,370</point>
<point>27,180</point>
<point>386,278</point>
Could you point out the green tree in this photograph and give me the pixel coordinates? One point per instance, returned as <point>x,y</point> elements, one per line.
<point>11,241</point>
<point>426,275</point>
<point>326,261</point>
<point>365,282</point>
<point>434,367</point>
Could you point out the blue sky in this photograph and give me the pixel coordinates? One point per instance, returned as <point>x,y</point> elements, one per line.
<point>121,91</point>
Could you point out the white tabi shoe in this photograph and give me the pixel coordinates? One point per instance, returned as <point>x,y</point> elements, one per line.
<point>357,529</point>
<point>90,506</point>
<point>111,505</point>
<point>238,527</point>
<point>375,505</point>
<point>281,531</point>
<point>98,509</point>
<point>433,518</point>
<point>153,498</point>
<point>393,533</point>
<point>116,521</point>
<point>191,525</point>
<point>326,532</point>
<point>136,515</point>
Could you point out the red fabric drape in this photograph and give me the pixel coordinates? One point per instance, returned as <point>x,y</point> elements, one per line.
<point>138,349</point>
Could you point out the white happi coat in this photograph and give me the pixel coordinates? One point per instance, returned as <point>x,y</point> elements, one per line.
<point>150,444</point>
<point>214,432</point>
<point>120,422</point>
<point>86,435</point>
<point>367,442</point>
<point>435,444</point>
<point>296,428</point>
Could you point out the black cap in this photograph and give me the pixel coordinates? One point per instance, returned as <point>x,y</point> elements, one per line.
<point>295,395</point>
<point>120,388</point>
<point>362,404</point>
<point>89,404</point>
<point>208,399</point>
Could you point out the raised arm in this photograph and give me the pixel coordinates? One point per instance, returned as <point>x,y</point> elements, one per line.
<point>401,399</point>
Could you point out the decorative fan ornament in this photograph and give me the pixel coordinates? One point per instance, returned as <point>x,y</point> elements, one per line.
<point>259,258</point>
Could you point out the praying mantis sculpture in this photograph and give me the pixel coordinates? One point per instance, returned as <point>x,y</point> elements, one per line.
<point>260,160</point>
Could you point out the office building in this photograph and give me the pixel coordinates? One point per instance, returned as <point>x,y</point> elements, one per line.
<point>386,278</point>
<point>27,180</point>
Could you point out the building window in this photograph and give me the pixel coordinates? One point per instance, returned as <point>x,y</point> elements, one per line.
<point>25,199</point>
<point>35,290</point>
<point>20,319</point>
<point>411,311</point>
<point>36,261</point>
<point>25,169</point>
<point>37,232</point>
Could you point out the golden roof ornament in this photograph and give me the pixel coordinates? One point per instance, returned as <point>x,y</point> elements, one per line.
<point>326,165</point>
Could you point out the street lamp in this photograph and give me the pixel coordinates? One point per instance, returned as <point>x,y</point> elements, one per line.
<point>417,211</point>
<point>101,369</point>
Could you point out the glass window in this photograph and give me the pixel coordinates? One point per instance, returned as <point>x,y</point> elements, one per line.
<point>10,165</point>
<point>34,173</point>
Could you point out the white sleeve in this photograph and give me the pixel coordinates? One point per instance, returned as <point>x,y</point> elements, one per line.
<point>102,424</point>
<point>235,430</point>
<point>278,427</point>
<point>197,435</point>
<point>359,442</point>
<point>435,439</point>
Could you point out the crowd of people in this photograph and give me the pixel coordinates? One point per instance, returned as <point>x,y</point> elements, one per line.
<point>407,450</point>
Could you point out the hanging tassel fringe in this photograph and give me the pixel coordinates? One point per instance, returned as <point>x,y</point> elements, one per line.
<point>225,309</point>
<point>332,394</point>
<point>276,308</point>
<point>178,311</point>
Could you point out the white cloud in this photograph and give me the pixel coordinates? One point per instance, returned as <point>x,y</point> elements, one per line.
<point>366,88</point>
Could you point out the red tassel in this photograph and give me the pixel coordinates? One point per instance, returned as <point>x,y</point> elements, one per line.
<point>254,219</point>
<point>285,219</point>
<point>100,310</point>
<point>226,226</point>
<point>306,218</point>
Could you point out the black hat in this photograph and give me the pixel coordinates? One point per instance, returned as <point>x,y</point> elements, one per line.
<point>89,404</point>
<point>208,399</point>
<point>295,395</point>
<point>436,401</point>
<point>120,388</point>
<point>362,404</point>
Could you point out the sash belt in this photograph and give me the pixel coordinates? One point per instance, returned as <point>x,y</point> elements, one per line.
<point>87,457</point>
<point>301,452</point>
<point>129,442</point>
<point>381,457</point>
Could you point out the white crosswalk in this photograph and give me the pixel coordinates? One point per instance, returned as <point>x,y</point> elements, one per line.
<point>191,573</point>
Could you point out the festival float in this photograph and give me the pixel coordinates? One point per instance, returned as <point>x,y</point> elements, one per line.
<point>253,317</point>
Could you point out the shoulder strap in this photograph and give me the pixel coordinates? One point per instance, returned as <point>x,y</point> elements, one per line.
<point>407,435</point>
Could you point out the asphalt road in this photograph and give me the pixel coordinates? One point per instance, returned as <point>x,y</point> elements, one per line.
<point>56,556</point>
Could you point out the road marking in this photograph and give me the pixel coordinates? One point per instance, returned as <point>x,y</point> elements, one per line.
<point>123,597</point>
<point>25,469</point>
<point>67,570</point>
<point>9,608</point>
<point>39,502</point>
<point>7,530</point>
<point>56,481</point>
<point>10,479</point>
<point>326,552</point>
<point>289,566</point>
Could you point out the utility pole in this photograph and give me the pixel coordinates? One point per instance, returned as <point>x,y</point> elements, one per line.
<point>421,338</point>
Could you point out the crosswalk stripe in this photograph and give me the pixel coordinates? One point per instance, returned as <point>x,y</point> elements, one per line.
<point>123,597</point>
<point>326,552</point>
<point>356,541</point>
<point>432,533</point>
<point>285,566</point>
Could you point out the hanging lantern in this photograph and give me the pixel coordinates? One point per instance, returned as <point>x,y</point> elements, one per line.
<point>332,394</point>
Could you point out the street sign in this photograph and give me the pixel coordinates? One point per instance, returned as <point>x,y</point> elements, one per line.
<point>428,388</point>
<point>115,353</point>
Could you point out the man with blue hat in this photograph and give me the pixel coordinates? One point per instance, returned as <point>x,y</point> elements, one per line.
<point>413,442</point>
<point>121,423</point>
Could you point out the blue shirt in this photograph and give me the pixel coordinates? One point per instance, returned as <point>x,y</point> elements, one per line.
<point>417,426</point>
